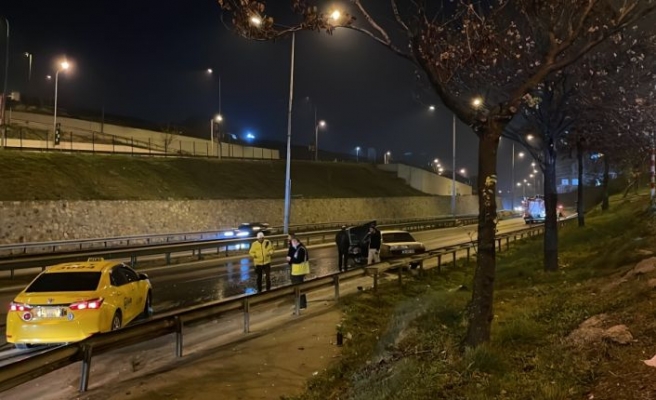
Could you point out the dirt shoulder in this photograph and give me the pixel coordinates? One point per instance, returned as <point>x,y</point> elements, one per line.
<point>264,367</point>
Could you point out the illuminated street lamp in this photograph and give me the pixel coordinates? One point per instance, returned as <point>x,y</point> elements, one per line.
<point>256,21</point>
<point>63,66</point>
<point>387,158</point>
<point>512,173</point>
<point>477,103</point>
<point>29,65</point>
<point>218,118</point>
<point>357,154</point>
<point>320,124</point>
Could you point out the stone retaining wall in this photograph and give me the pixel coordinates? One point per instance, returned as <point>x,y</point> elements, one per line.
<point>38,221</point>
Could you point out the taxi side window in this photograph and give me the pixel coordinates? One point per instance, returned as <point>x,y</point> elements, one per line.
<point>117,278</point>
<point>130,275</point>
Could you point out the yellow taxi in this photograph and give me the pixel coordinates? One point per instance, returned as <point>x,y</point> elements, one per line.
<point>72,301</point>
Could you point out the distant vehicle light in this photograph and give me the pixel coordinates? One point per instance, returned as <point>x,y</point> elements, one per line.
<point>229,234</point>
<point>242,234</point>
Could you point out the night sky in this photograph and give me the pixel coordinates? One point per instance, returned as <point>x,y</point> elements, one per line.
<point>148,59</point>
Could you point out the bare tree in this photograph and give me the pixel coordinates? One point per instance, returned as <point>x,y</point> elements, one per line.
<point>616,97</point>
<point>492,49</point>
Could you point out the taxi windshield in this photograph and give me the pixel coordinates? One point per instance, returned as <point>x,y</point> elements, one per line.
<point>65,282</point>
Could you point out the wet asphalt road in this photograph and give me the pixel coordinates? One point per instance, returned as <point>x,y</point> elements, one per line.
<point>193,283</point>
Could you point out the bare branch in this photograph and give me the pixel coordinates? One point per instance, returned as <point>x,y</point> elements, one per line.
<point>387,44</point>
<point>397,16</point>
<point>372,22</point>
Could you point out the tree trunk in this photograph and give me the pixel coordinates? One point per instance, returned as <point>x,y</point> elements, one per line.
<point>604,202</point>
<point>480,309</point>
<point>551,222</point>
<point>580,209</point>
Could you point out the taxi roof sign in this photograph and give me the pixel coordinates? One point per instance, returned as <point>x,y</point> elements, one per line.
<point>92,259</point>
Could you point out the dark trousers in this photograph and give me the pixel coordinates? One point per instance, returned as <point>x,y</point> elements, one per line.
<point>343,260</point>
<point>296,279</point>
<point>266,269</point>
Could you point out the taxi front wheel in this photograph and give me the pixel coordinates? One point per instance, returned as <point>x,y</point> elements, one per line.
<point>116,321</point>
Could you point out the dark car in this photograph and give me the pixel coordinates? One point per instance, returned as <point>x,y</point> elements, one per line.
<point>251,229</point>
<point>358,248</point>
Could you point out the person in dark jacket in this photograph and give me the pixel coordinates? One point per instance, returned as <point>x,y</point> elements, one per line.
<point>290,250</point>
<point>374,239</point>
<point>342,242</point>
<point>298,254</point>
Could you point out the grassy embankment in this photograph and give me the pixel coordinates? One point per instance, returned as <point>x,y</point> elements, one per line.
<point>54,176</point>
<point>406,343</point>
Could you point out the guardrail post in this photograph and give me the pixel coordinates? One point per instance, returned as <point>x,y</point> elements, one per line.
<point>507,243</point>
<point>86,367</point>
<point>336,283</point>
<point>454,258</point>
<point>133,261</point>
<point>297,300</point>
<point>468,251</point>
<point>247,315</point>
<point>167,257</point>
<point>499,241</point>
<point>439,263</point>
<point>178,336</point>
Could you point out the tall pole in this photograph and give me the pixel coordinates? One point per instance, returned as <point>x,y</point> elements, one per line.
<point>288,166</point>
<point>652,169</point>
<point>29,67</point>
<point>453,170</point>
<point>4,87</point>
<point>54,119</point>
<point>316,136</point>
<point>512,178</point>
<point>211,136</point>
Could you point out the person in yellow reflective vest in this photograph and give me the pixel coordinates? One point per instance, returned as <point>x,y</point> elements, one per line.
<point>261,250</point>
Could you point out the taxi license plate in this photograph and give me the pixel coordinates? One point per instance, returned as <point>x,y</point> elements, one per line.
<point>408,251</point>
<point>50,312</point>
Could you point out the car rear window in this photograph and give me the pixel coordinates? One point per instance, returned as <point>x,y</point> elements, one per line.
<point>398,237</point>
<point>65,282</point>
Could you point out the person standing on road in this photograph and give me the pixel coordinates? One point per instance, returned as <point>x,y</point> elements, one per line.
<point>342,242</point>
<point>261,250</point>
<point>374,240</point>
<point>300,263</point>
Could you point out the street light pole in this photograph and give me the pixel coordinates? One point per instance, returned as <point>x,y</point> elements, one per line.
<point>4,87</point>
<point>357,154</point>
<point>64,65</point>
<point>316,136</point>
<point>29,66</point>
<point>512,178</point>
<point>211,136</point>
<point>288,165</point>
<point>453,168</point>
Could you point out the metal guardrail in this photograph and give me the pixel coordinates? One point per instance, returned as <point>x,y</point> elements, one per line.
<point>41,364</point>
<point>17,249</point>
<point>223,246</point>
